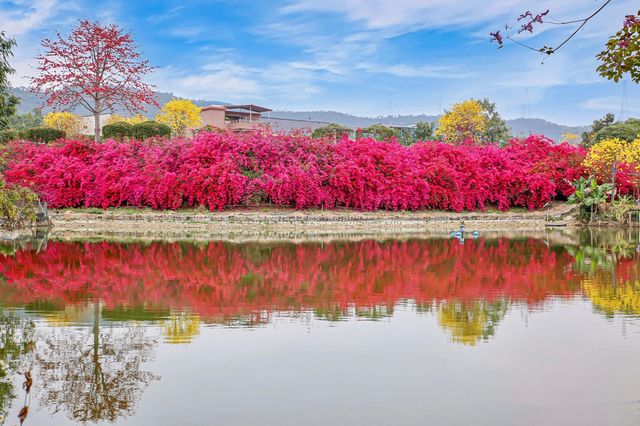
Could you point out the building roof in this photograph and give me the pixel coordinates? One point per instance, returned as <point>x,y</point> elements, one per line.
<point>248,107</point>
<point>214,107</point>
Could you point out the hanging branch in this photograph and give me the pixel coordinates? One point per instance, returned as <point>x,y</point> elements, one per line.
<point>540,18</point>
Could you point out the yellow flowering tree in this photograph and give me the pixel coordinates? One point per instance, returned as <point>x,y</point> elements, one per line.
<point>136,119</point>
<point>115,118</point>
<point>180,115</point>
<point>466,120</point>
<point>133,120</point>
<point>66,121</point>
<point>602,156</point>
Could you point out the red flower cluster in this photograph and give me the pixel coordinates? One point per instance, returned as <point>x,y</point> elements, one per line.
<point>218,170</point>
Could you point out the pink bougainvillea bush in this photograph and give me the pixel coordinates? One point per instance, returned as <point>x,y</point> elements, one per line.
<point>218,170</point>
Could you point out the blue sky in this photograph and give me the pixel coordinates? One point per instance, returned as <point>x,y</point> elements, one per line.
<point>365,57</point>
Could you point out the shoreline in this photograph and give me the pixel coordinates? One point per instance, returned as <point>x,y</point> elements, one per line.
<point>253,223</point>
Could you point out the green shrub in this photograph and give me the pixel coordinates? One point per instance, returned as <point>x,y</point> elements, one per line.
<point>118,130</point>
<point>42,134</point>
<point>17,207</point>
<point>626,130</point>
<point>332,130</point>
<point>379,132</point>
<point>149,129</point>
<point>8,135</point>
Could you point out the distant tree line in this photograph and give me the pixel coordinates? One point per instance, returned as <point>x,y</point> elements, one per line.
<point>472,120</point>
<point>608,128</point>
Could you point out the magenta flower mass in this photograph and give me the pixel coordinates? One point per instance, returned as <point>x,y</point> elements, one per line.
<point>220,170</point>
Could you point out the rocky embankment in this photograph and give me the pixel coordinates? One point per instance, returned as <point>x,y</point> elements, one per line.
<point>273,223</point>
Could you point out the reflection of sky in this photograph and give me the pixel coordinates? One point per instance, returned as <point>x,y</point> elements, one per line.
<point>562,364</point>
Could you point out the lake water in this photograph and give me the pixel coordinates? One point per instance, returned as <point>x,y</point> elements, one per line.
<point>397,332</point>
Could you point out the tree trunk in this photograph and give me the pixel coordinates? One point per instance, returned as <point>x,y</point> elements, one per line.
<point>613,180</point>
<point>96,118</point>
<point>96,330</point>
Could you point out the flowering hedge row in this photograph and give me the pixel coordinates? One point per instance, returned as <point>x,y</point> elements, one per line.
<point>217,170</point>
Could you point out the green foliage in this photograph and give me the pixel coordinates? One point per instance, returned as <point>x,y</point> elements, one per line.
<point>619,209</point>
<point>8,135</point>
<point>589,196</point>
<point>424,131</point>
<point>621,55</point>
<point>332,130</point>
<point>42,134</point>
<point>117,130</point>
<point>150,129</point>
<point>16,206</point>
<point>628,130</point>
<point>26,121</point>
<point>379,132</point>
<point>8,102</point>
<point>588,138</point>
<point>497,129</point>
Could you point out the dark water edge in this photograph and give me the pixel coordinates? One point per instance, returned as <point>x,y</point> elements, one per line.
<point>525,329</point>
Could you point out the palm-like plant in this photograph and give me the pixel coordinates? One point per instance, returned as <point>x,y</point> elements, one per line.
<point>589,195</point>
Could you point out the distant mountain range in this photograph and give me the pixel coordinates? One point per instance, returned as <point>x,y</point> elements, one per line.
<point>29,101</point>
<point>518,126</point>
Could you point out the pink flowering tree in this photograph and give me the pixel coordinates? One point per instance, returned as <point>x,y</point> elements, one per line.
<point>97,67</point>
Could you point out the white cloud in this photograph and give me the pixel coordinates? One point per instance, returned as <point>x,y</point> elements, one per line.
<point>27,17</point>
<point>379,14</point>
<point>233,84</point>
<point>227,80</point>
<point>410,71</point>
<point>612,104</point>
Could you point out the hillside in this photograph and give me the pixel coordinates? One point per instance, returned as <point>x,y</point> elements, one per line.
<point>518,126</point>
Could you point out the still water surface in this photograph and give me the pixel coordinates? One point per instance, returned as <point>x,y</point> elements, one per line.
<point>397,332</point>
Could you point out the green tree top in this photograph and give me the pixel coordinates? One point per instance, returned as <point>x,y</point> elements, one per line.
<point>8,102</point>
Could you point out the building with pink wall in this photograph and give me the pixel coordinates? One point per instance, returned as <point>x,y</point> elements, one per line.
<point>233,117</point>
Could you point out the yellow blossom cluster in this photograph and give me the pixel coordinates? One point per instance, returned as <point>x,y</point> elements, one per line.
<point>68,122</point>
<point>465,121</point>
<point>602,156</point>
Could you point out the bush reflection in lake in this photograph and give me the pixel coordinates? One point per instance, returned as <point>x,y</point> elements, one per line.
<point>166,292</point>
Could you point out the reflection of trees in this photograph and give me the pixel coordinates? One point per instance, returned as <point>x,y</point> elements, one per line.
<point>181,328</point>
<point>610,265</point>
<point>97,377</point>
<point>243,284</point>
<point>17,338</point>
<point>622,298</point>
<point>470,322</point>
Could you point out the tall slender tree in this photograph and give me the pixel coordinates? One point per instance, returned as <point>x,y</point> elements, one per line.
<point>97,67</point>
<point>8,102</point>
